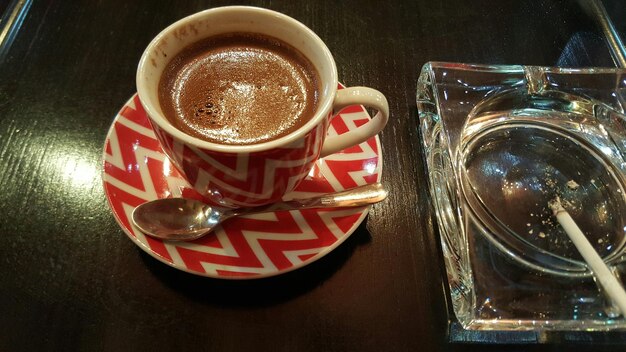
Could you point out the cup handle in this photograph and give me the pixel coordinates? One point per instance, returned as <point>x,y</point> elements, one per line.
<point>352,96</point>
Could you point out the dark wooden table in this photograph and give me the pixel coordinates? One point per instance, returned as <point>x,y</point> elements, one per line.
<point>70,279</point>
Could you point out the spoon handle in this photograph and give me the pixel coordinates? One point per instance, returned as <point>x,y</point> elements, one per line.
<point>359,196</point>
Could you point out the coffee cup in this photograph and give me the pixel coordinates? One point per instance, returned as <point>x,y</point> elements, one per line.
<point>260,172</point>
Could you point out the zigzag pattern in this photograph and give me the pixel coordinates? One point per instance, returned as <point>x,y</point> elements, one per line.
<point>136,170</point>
<point>245,179</point>
<point>267,179</point>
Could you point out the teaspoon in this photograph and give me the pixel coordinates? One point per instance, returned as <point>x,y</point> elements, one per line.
<point>184,219</point>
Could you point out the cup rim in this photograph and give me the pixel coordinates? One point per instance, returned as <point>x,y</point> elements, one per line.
<point>324,107</point>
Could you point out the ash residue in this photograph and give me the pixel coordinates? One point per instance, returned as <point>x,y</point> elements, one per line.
<point>545,230</point>
<point>571,184</point>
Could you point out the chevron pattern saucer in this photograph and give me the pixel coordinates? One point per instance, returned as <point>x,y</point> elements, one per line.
<point>256,246</point>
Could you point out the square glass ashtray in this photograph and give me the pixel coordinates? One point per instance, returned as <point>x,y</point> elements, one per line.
<point>501,142</point>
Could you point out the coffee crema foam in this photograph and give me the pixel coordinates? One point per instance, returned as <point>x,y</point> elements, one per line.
<point>239,89</point>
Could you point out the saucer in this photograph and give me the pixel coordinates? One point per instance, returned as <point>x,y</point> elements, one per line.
<point>248,247</point>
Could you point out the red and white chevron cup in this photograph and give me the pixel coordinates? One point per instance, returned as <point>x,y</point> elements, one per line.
<point>246,175</point>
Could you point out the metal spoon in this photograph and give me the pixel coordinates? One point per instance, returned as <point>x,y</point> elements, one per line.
<point>187,219</point>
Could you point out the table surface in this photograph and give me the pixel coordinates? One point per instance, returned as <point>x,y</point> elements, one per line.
<point>70,279</point>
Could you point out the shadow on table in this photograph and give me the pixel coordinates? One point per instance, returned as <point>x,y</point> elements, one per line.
<point>259,292</point>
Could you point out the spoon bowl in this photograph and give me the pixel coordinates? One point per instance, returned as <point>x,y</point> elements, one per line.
<point>176,218</point>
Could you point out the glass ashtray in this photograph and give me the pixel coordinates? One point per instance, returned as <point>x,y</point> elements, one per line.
<point>501,142</point>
